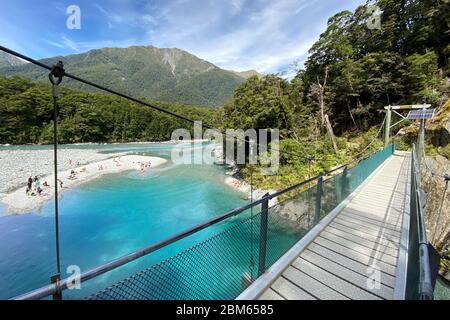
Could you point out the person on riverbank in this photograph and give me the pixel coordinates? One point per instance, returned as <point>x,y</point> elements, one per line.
<point>37,181</point>
<point>73,175</point>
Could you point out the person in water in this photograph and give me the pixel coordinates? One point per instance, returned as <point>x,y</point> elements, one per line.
<point>46,184</point>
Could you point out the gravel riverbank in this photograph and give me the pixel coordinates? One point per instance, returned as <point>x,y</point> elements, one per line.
<point>17,165</point>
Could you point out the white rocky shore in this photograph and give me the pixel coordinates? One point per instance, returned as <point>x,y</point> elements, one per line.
<point>242,186</point>
<point>238,184</point>
<point>17,165</point>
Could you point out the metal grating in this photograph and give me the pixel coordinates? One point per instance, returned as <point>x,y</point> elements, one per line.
<point>421,114</point>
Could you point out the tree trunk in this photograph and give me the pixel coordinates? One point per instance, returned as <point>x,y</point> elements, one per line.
<point>351,115</point>
<point>331,133</point>
<point>322,107</point>
<point>323,115</point>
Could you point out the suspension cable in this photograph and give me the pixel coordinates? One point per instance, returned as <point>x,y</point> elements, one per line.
<point>55,76</point>
<point>252,260</point>
<point>440,207</point>
<point>374,139</point>
<point>138,101</point>
<point>432,172</point>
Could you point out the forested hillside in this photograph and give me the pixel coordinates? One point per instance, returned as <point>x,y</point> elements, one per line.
<point>334,105</point>
<point>26,116</point>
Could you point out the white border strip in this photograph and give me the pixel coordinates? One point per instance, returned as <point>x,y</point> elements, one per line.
<point>402,263</point>
<point>265,281</point>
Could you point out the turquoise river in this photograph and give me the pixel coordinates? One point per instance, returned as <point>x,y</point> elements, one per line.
<point>111,216</point>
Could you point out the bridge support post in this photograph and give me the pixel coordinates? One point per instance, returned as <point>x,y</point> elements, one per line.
<point>318,199</point>
<point>56,279</point>
<point>344,184</point>
<point>387,126</point>
<point>420,142</point>
<point>263,235</point>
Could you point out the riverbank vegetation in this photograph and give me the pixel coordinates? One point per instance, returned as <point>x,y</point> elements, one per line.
<point>26,116</point>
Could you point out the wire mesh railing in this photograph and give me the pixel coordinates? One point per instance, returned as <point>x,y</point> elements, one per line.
<point>224,265</point>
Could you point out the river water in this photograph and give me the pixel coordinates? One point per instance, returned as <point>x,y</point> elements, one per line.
<point>109,217</point>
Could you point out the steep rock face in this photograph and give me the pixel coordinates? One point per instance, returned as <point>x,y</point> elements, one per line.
<point>7,60</point>
<point>437,219</point>
<point>167,74</point>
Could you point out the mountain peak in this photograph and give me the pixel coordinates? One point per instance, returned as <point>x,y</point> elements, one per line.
<point>247,74</point>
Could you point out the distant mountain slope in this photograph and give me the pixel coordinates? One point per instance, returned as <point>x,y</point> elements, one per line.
<point>247,74</point>
<point>171,75</point>
<point>9,60</point>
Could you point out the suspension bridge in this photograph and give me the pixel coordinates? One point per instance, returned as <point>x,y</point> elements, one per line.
<point>359,234</point>
<point>357,252</point>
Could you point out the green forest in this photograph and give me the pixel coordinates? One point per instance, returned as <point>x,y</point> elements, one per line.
<point>26,116</point>
<point>334,106</point>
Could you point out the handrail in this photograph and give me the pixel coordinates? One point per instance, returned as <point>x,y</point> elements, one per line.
<point>425,283</point>
<point>58,287</point>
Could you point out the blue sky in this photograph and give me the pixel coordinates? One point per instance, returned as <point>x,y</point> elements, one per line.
<point>265,35</point>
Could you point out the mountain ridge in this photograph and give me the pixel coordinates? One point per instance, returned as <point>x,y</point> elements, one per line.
<point>163,74</point>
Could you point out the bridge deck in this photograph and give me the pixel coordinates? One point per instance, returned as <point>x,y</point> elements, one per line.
<point>361,243</point>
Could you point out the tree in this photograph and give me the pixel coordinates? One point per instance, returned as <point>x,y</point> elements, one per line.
<point>318,92</point>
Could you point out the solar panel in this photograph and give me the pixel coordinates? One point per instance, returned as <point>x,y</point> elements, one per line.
<point>421,114</point>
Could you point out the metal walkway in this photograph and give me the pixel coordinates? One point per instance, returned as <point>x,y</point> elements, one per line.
<point>359,254</point>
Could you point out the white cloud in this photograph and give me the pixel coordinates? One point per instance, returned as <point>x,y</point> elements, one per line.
<point>265,35</point>
<point>265,39</point>
<point>80,46</point>
<point>69,43</point>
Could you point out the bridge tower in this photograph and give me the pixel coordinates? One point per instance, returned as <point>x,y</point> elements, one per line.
<point>416,112</point>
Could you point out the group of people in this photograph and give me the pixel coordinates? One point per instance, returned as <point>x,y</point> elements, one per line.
<point>116,160</point>
<point>145,165</point>
<point>73,175</point>
<point>34,186</point>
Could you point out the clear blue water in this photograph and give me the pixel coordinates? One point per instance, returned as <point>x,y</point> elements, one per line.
<point>112,216</point>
